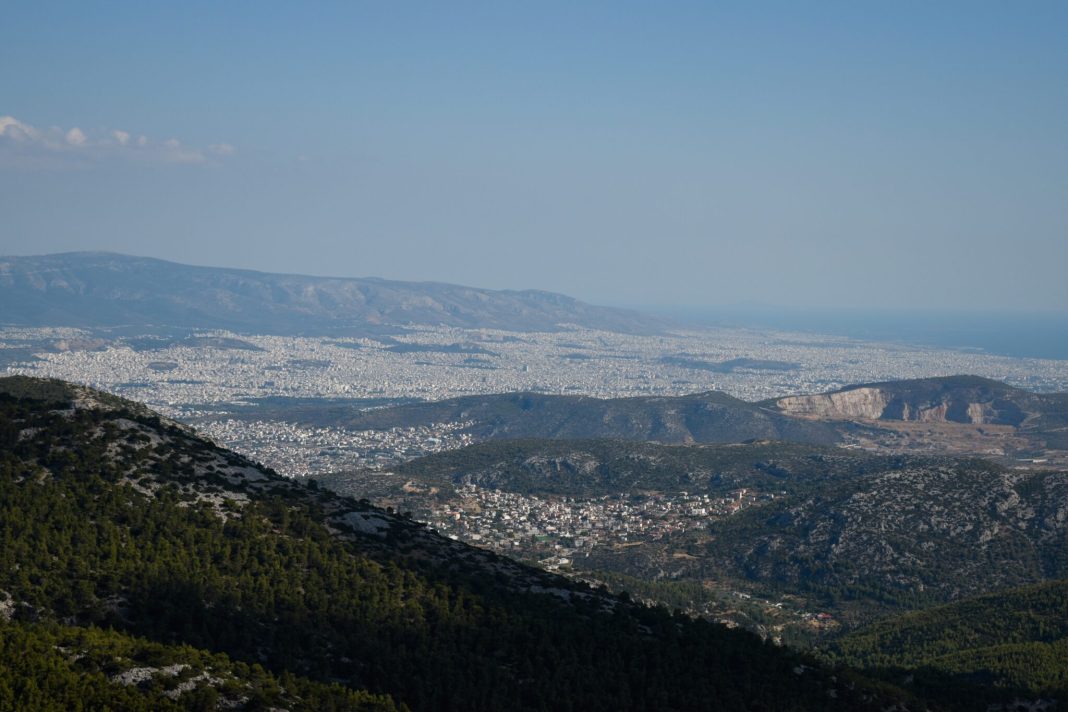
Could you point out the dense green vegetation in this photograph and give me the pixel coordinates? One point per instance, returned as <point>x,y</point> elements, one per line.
<point>1015,641</point>
<point>60,393</point>
<point>1019,615</point>
<point>715,603</point>
<point>115,520</point>
<point>48,667</point>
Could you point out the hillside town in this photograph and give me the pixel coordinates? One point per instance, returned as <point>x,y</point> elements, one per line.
<point>557,530</point>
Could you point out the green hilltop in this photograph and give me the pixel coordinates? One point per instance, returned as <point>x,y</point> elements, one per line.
<point>1014,641</point>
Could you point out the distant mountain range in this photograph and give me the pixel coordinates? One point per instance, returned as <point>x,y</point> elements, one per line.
<point>99,289</point>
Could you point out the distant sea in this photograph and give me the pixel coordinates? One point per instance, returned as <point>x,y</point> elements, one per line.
<point>1026,335</point>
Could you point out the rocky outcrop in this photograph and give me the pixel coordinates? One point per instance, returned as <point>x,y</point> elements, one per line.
<point>866,403</point>
<point>946,400</point>
<point>900,529</point>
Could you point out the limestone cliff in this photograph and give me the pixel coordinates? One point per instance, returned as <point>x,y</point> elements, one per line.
<point>867,403</point>
<point>941,400</point>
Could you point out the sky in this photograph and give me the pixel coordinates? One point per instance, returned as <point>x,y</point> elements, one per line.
<point>894,155</point>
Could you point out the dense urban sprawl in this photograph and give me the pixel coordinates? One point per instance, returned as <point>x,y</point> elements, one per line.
<point>202,381</point>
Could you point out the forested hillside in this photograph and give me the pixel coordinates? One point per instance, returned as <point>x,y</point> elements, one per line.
<point>1014,640</point>
<point>113,519</point>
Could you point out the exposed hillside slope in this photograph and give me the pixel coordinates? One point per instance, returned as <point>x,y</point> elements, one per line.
<point>918,535</point>
<point>953,399</point>
<point>92,289</point>
<point>956,399</point>
<point>46,667</point>
<point>114,517</point>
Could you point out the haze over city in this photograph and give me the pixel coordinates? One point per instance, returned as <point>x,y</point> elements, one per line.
<point>908,156</point>
<point>482,356</point>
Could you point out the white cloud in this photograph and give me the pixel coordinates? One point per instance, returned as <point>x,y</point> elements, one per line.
<point>175,152</point>
<point>12,128</point>
<point>23,144</point>
<point>75,137</point>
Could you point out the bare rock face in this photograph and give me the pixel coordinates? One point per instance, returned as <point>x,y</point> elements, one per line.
<point>865,403</point>
<point>869,403</point>
<point>900,528</point>
<point>950,399</point>
<point>981,413</point>
<point>935,413</point>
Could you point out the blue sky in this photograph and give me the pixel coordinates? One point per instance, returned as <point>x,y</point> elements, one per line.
<point>895,155</point>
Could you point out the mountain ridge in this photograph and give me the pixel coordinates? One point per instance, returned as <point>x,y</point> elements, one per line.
<point>710,416</point>
<point>1017,424</point>
<point>103,289</point>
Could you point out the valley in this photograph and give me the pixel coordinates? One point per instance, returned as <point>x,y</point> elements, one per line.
<point>179,572</point>
<point>795,488</point>
<point>854,535</point>
<point>533,357</point>
<point>803,544</point>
